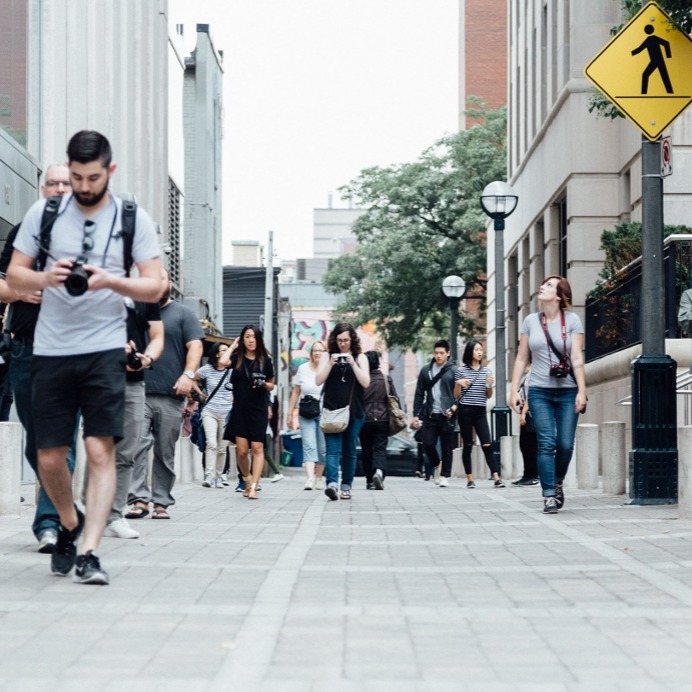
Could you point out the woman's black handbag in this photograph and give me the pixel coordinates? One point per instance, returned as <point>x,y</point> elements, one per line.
<point>309,407</point>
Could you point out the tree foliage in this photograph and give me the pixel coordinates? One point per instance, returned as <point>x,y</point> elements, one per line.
<point>422,222</point>
<point>680,12</point>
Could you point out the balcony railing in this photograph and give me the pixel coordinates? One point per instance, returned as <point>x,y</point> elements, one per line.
<point>613,320</point>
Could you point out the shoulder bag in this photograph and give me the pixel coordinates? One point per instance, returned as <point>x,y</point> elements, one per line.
<point>337,421</point>
<point>397,418</point>
<point>309,407</point>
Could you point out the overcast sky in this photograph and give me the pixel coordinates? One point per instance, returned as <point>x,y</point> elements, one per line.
<point>316,90</point>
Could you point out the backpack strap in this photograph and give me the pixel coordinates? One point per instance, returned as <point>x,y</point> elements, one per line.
<point>50,213</point>
<point>129,215</point>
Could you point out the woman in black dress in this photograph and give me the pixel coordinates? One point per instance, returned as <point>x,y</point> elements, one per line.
<point>252,375</point>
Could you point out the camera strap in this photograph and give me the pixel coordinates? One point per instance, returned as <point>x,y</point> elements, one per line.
<point>551,345</point>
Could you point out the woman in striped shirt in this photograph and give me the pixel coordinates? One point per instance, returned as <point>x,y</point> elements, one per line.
<point>473,385</point>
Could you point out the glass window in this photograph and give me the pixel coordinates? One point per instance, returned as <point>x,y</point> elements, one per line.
<point>13,69</point>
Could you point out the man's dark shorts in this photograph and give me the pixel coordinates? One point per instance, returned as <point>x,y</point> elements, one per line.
<point>93,383</point>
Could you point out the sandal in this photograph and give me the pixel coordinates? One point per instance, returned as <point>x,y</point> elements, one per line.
<point>138,511</point>
<point>345,494</point>
<point>160,513</point>
<point>252,492</point>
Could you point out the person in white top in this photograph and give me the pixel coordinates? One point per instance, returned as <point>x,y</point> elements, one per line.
<point>304,386</point>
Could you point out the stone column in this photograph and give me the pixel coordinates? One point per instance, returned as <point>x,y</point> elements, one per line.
<point>614,457</point>
<point>587,456</point>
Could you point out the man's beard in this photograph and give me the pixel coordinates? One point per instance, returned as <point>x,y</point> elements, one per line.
<point>165,297</point>
<point>92,199</point>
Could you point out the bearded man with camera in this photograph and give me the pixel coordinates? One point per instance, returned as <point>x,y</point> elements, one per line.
<point>79,355</point>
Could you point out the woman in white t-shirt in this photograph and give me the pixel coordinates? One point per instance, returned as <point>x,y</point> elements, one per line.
<point>304,386</point>
<point>214,414</point>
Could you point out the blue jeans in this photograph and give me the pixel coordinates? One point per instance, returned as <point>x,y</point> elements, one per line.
<point>555,421</point>
<point>46,516</point>
<point>313,439</point>
<point>343,446</point>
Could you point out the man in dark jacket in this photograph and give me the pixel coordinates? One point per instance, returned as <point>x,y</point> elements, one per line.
<point>432,405</point>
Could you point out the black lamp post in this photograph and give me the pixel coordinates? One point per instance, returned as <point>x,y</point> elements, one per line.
<point>453,287</point>
<point>498,201</point>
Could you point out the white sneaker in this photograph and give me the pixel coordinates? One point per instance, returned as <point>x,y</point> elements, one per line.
<point>319,483</point>
<point>119,528</point>
<point>224,479</point>
<point>444,482</point>
<point>277,477</point>
<point>208,481</point>
<point>47,541</point>
<point>218,483</point>
<point>309,484</point>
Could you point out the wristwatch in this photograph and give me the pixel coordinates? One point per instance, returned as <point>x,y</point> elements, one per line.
<point>190,374</point>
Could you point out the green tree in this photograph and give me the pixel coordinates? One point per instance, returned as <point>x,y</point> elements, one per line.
<point>422,222</point>
<point>680,12</point>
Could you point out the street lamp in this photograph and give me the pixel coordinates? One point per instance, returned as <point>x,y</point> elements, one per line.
<point>498,201</point>
<point>453,287</point>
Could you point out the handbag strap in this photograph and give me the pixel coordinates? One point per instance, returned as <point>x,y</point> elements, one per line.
<point>473,381</point>
<point>216,389</point>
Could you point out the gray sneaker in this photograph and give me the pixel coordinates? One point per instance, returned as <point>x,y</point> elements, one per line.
<point>47,541</point>
<point>549,505</point>
<point>89,570</point>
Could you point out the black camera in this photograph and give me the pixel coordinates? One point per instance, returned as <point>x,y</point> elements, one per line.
<point>342,361</point>
<point>77,282</point>
<point>134,361</point>
<point>258,380</point>
<point>561,368</point>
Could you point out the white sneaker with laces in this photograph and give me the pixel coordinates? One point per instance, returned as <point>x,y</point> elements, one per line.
<point>218,483</point>
<point>277,477</point>
<point>444,482</point>
<point>119,528</point>
<point>319,483</point>
<point>224,479</point>
<point>208,481</point>
<point>309,484</point>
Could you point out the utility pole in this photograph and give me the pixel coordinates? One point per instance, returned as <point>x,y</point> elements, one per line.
<point>269,297</point>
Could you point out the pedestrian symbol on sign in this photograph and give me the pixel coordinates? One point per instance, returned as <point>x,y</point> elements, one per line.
<point>655,47</point>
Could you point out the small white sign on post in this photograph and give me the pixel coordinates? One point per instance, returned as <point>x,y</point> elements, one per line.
<point>666,157</point>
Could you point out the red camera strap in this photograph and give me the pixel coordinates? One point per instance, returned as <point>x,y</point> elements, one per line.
<point>549,341</point>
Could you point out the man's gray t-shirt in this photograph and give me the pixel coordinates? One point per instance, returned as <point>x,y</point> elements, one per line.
<point>180,325</point>
<point>94,321</point>
<point>542,356</point>
<point>435,391</point>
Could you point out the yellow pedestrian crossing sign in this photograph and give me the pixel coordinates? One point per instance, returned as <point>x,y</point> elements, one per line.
<point>646,70</point>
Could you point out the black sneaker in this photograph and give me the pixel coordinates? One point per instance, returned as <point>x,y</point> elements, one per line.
<point>499,483</point>
<point>559,495</point>
<point>369,486</point>
<point>89,570</point>
<point>378,480</point>
<point>526,482</point>
<point>470,484</point>
<point>549,505</point>
<point>64,554</point>
<point>331,493</point>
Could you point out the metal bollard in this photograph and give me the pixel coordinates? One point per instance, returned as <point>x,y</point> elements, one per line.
<point>587,456</point>
<point>685,472</point>
<point>506,456</point>
<point>457,465</point>
<point>614,457</point>
<point>11,454</point>
<point>517,459</point>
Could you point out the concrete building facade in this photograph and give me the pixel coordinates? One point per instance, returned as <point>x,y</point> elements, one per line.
<point>575,174</point>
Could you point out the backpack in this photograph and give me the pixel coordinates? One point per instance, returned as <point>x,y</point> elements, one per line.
<point>50,214</point>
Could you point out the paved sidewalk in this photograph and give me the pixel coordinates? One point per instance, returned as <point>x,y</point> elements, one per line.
<point>416,588</point>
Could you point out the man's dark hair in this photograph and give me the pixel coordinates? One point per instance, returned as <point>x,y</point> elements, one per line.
<point>87,146</point>
<point>442,343</point>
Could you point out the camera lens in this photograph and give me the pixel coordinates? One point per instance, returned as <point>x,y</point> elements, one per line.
<point>77,283</point>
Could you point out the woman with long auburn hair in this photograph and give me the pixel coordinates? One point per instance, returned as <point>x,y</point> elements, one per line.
<point>252,376</point>
<point>553,339</point>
